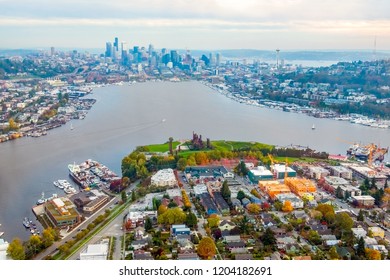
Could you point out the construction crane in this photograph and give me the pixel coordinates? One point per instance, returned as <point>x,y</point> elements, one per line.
<point>274,161</point>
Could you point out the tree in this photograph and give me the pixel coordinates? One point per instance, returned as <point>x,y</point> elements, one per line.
<point>333,254</point>
<point>240,195</point>
<point>360,251</point>
<point>241,169</point>
<point>372,254</point>
<point>268,238</point>
<point>324,208</point>
<point>34,243</point>
<point>213,220</point>
<point>206,248</point>
<point>344,221</point>
<point>314,237</point>
<point>172,216</point>
<point>123,196</point>
<point>339,192</point>
<point>191,220</point>
<point>287,206</point>
<point>12,124</point>
<point>253,208</point>
<point>16,250</point>
<point>162,209</point>
<point>170,145</point>
<point>133,196</point>
<point>148,224</point>
<point>181,164</point>
<point>225,191</point>
<point>49,235</point>
<point>360,216</point>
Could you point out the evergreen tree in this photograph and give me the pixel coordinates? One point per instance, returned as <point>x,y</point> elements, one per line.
<point>360,251</point>
<point>240,195</point>
<point>225,191</point>
<point>339,192</point>
<point>148,224</point>
<point>268,238</point>
<point>360,217</point>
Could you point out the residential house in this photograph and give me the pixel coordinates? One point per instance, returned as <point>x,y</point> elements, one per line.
<point>142,255</point>
<point>359,232</point>
<point>140,244</point>
<point>244,257</point>
<point>226,225</point>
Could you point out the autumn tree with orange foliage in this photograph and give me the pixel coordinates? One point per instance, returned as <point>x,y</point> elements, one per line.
<point>287,206</point>
<point>372,254</point>
<point>206,248</point>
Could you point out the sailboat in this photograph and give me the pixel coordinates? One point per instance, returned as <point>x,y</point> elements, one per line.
<point>313,127</point>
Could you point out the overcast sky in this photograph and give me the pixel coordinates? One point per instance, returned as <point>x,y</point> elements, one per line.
<point>197,24</point>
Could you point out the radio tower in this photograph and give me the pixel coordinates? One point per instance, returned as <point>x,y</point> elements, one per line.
<point>277,58</point>
<point>374,53</point>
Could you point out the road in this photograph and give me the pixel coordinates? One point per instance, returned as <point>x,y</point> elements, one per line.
<point>114,228</point>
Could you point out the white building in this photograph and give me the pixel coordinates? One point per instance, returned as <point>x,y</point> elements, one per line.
<point>164,177</point>
<point>95,252</point>
<point>341,171</point>
<point>3,249</point>
<point>317,172</point>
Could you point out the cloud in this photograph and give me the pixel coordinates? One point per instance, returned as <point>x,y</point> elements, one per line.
<point>292,19</point>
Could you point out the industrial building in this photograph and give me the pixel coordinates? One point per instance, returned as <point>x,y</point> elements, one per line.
<point>318,172</point>
<point>341,171</point>
<point>363,172</point>
<point>260,173</point>
<point>95,251</point>
<point>279,171</point>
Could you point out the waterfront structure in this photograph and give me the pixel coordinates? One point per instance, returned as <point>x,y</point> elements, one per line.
<point>61,212</point>
<point>164,177</point>
<point>91,201</point>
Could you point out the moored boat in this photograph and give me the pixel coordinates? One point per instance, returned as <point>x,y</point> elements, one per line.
<point>26,222</point>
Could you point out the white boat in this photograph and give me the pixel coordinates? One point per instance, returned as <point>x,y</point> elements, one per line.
<point>1,233</point>
<point>313,127</point>
<point>42,199</point>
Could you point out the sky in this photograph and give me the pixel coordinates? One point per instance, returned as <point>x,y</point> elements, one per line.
<point>197,24</point>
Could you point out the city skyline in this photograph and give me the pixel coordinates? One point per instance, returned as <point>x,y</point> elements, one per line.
<point>180,24</point>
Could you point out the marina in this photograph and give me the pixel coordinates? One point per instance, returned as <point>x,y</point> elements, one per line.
<point>92,174</point>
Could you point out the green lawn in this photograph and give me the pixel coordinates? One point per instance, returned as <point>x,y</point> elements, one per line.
<point>162,148</point>
<point>237,145</point>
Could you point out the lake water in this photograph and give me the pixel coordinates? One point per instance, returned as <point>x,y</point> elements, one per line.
<point>131,115</point>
